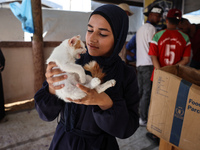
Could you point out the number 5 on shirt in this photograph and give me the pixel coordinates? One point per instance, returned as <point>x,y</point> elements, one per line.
<point>169,54</point>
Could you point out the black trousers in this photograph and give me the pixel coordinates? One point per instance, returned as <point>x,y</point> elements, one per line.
<point>2,109</point>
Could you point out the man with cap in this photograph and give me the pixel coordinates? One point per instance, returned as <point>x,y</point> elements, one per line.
<point>169,47</point>
<point>143,62</point>
<point>126,8</point>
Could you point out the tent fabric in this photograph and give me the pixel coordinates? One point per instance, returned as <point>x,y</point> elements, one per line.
<point>59,25</point>
<point>191,5</point>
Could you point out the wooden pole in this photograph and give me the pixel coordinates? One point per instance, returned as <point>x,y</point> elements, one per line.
<point>37,45</point>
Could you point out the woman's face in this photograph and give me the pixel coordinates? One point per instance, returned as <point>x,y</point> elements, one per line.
<point>99,36</point>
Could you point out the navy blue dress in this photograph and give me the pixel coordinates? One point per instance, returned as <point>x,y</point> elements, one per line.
<point>84,127</point>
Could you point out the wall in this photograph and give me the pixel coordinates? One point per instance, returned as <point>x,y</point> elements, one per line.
<point>18,75</point>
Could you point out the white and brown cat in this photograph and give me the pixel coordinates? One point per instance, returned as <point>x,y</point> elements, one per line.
<point>65,56</point>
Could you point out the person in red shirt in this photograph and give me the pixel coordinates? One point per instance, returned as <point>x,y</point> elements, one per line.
<point>170,46</point>
<point>193,31</point>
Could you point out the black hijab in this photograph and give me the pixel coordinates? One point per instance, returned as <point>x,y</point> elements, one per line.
<point>118,20</point>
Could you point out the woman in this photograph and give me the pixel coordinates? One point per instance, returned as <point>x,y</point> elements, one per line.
<point>94,121</point>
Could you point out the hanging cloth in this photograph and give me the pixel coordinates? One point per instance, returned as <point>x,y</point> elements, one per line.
<point>23,12</point>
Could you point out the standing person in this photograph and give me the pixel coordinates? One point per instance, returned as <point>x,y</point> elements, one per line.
<point>193,31</point>
<point>169,47</point>
<point>94,121</point>
<point>126,8</point>
<point>144,63</point>
<point>2,109</point>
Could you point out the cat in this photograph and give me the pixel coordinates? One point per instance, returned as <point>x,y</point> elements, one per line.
<point>65,56</point>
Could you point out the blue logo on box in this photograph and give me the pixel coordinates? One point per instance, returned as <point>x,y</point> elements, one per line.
<point>179,112</point>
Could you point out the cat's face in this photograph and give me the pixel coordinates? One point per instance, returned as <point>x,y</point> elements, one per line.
<point>78,47</point>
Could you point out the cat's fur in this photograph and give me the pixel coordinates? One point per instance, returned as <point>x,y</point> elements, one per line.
<point>64,56</point>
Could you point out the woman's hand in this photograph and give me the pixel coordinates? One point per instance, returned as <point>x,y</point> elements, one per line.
<point>94,98</point>
<point>50,72</point>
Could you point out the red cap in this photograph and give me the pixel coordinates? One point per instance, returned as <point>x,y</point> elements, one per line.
<point>174,13</point>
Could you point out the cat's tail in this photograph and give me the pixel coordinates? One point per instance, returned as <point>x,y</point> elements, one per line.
<point>95,70</point>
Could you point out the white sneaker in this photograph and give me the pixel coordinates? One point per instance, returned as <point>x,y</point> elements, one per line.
<point>142,122</point>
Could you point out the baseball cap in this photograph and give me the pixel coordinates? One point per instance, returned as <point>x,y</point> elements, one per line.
<point>174,13</point>
<point>154,9</point>
<point>125,7</point>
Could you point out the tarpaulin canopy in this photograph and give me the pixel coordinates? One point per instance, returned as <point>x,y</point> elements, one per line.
<point>189,5</point>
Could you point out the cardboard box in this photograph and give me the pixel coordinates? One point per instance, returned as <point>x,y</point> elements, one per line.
<point>174,111</point>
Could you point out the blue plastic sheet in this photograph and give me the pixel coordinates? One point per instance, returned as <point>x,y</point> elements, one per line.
<point>23,12</point>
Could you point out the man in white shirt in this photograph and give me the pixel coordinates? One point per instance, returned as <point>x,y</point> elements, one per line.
<point>144,63</point>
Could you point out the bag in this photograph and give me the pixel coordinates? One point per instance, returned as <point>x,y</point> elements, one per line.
<point>23,12</point>
<point>2,61</point>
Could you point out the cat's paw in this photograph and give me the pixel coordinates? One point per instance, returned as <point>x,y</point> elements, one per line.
<point>95,82</point>
<point>113,82</point>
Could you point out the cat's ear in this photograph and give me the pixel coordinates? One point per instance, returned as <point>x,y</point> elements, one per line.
<point>72,41</point>
<point>78,36</point>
